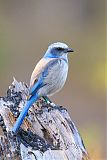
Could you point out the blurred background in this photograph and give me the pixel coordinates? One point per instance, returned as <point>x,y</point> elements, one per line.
<point>28,27</point>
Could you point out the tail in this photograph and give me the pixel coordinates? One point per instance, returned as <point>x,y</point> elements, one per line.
<point>24,113</point>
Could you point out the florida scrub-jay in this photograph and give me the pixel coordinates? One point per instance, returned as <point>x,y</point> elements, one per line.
<point>48,77</point>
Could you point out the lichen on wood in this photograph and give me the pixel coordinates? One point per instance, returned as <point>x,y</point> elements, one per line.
<point>47,133</point>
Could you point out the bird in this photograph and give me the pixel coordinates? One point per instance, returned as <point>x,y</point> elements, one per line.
<point>48,77</point>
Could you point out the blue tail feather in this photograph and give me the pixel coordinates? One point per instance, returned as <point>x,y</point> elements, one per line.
<point>24,113</point>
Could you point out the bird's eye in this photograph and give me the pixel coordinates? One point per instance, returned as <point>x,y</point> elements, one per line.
<point>60,49</point>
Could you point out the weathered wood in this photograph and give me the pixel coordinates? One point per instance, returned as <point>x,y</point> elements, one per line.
<point>47,132</point>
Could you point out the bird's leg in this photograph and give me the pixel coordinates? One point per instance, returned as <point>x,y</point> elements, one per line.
<point>48,101</point>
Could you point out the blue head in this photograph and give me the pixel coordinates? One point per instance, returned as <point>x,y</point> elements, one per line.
<point>57,50</point>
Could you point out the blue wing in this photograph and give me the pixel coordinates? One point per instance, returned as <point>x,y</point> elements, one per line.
<point>43,75</point>
<point>36,86</point>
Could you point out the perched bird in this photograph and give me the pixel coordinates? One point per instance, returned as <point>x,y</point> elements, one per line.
<point>48,77</point>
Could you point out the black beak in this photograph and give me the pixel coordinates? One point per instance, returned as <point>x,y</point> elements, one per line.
<point>70,50</point>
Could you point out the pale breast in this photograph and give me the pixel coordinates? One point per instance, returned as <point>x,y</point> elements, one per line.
<point>56,78</point>
<point>59,78</point>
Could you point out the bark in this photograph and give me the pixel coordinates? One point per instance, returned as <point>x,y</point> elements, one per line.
<point>47,133</point>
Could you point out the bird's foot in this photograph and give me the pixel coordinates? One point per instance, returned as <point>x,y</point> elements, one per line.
<point>48,101</point>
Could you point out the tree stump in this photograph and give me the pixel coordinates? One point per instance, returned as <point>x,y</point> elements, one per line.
<point>47,133</point>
